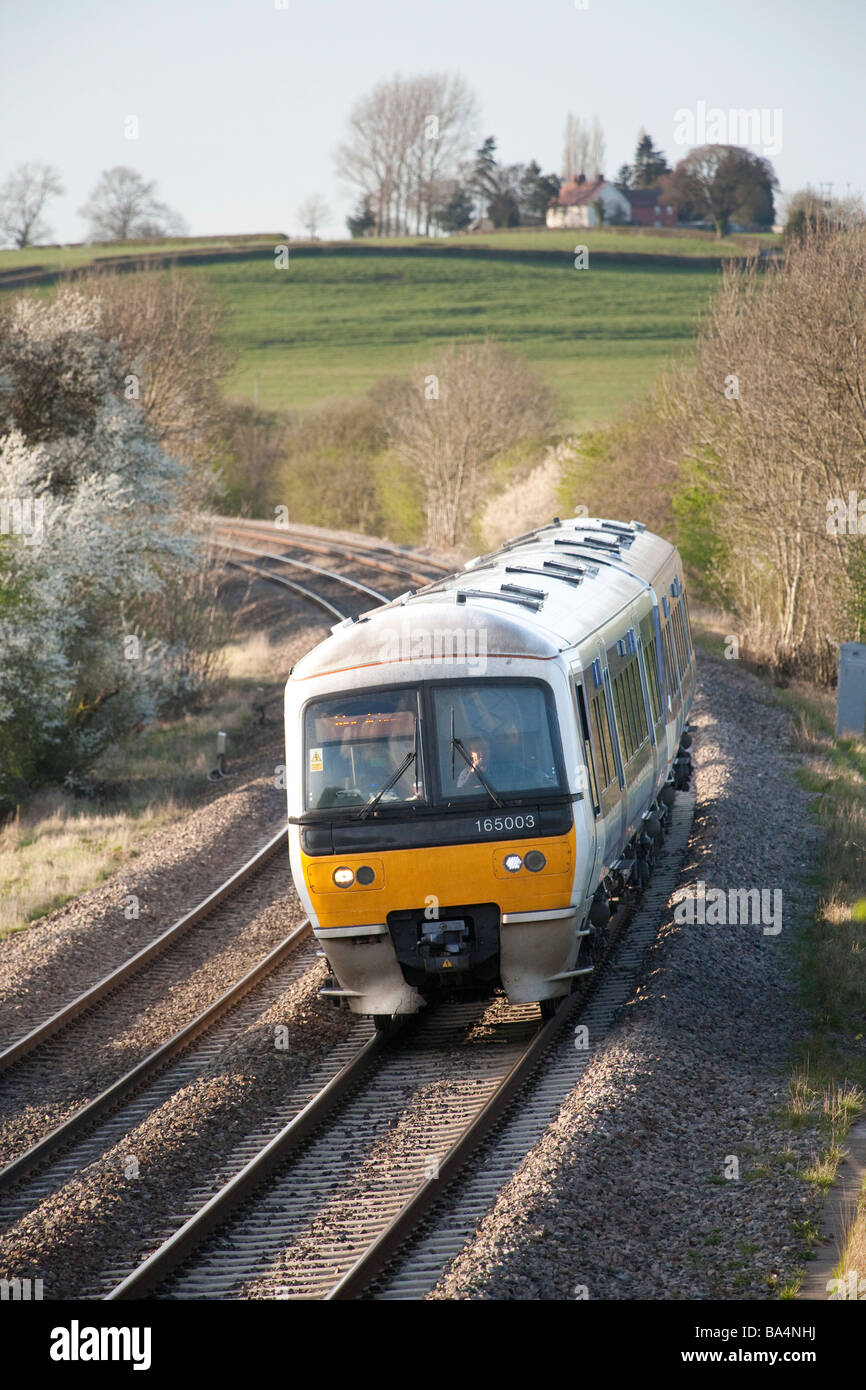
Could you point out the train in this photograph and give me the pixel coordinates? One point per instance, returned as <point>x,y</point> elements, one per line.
<point>481,770</point>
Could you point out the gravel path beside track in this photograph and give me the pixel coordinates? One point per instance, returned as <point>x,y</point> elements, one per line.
<point>626,1196</point>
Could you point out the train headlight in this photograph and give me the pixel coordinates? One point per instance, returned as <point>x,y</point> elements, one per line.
<point>344,878</point>
<point>535,861</point>
<point>513,862</point>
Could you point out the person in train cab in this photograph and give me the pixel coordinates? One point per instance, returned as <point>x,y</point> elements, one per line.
<point>479,751</point>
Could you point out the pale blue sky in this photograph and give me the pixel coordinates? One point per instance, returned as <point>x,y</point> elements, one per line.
<point>240,104</point>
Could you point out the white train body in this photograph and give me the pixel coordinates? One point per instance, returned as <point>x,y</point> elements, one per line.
<point>536,703</point>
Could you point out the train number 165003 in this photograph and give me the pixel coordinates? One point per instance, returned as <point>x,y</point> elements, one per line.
<point>493,823</point>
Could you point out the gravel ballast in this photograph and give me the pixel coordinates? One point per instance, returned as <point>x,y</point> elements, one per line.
<point>670,1172</point>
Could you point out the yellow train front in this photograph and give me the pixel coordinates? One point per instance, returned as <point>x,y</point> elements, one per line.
<point>446,826</point>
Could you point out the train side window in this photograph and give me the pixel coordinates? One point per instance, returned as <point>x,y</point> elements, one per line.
<point>587,746</point>
<point>640,714</point>
<point>679,638</point>
<point>630,709</point>
<point>673,674</point>
<point>601,733</point>
<point>652,678</point>
<point>622,721</point>
<point>651,666</point>
<point>687,622</point>
<point>612,731</point>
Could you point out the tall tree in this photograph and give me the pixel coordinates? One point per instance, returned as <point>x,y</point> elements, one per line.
<point>583,148</point>
<point>404,141</point>
<point>22,201</point>
<point>363,219</point>
<point>455,214</point>
<point>123,205</point>
<point>724,183</point>
<point>536,191</point>
<point>649,163</point>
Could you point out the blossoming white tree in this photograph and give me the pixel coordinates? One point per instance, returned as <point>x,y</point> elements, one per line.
<point>91,525</point>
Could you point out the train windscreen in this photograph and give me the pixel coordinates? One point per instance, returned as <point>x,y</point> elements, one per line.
<point>363,750</point>
<point>493,738</point>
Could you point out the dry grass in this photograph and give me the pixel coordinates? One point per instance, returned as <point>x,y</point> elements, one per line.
<point>531,500</point>
<point>827,1088</point>
<point>57,847</point>
<point>53,851</point>
<point>853,1257</point>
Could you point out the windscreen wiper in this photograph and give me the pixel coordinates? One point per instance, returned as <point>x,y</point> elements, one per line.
<point>467,758</point>
<point>374,801</point>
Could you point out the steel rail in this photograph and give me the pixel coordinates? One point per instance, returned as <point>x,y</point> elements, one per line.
<point>130,967</point>
<point>290,584</point>
<point>158,1266</point>
<point>342,551</point>
<point>283,1146</point>
<point>311,569</point>
<point>173,1251</point>
<point>319,537</point>
<point>133,1080</point>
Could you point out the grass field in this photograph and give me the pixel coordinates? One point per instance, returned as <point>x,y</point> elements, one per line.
<point>674,242</point>
<point>341,316</point>
<point>647,240</point>
<point>331,325</point>
<point>77,257</point>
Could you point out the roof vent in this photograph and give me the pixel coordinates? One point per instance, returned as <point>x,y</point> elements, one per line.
<point>546,573</point>
<point>533,603</point>
<point>518,589</point>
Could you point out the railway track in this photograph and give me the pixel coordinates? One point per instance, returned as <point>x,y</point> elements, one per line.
<point>420,571</point>
<point>72,1035</point>
<point>320,1200</point>
<point>320,1207</point>
<point>46,1047</point>
<point>375,554</point>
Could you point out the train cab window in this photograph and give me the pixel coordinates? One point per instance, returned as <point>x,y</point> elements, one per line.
<point>494,735</point>
<point>360,749</point>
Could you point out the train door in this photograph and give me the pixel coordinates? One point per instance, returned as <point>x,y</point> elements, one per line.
<point>592,792</point>
<point>607,764</point>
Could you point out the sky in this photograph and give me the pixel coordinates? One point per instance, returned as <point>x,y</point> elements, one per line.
<point>240,103</point>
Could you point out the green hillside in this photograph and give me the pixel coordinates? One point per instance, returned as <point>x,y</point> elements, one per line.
<point>332,324</point>
<point>343,314</point>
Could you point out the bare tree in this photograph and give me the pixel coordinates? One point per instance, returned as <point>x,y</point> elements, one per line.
<point>404,141</point>
<point>22,201</point>
<point>597,148</point>
<point>123,206</point>
<point>775,415</point>
<point>313,212</point>
<point>165,325</point>
<point>583,148</point>
<point>451,423</point>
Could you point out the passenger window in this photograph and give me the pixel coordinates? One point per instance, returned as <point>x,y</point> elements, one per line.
<point>601,733</point>
<point>587,746</point>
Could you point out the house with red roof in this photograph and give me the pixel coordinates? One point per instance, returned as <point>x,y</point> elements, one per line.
<point>575,204</point>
